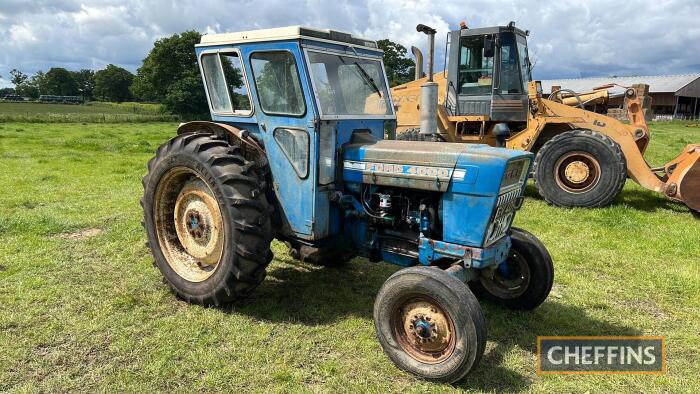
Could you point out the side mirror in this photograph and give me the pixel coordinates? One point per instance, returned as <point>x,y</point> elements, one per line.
<point>488,46</point>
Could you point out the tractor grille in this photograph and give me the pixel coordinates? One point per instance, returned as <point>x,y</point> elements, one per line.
<point>505,212</point>
<point>508,201</point>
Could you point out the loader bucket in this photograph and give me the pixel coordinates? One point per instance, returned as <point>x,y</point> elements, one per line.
<point>683,174</point>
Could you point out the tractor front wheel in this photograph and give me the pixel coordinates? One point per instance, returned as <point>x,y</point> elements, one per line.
<point>430,324</point>
<point>580,168</point>
<point>524,280</point>
<point>207,219</point>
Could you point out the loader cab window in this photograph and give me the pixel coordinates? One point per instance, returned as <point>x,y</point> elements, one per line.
<point>225,83</point>
<point>475,69</point>
<point>511,75</point>
<point>524,58</point>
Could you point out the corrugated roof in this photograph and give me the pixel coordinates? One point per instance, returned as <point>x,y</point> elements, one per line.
<point>657,83</point>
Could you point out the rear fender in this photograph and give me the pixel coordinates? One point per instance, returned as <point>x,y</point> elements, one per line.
<point>252,150</point>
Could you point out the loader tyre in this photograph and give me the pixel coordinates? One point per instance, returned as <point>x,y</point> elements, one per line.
<point>207,219</point>
<point>524,280</point>
<point>430,324</point>
<point>580,168</point>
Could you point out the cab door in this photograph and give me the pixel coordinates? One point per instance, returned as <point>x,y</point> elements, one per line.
<point>287,124</point>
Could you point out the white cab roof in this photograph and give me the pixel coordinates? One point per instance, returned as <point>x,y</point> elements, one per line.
<point>285,33</point>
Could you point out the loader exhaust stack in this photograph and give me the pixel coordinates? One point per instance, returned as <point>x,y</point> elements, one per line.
<point>419,63</point>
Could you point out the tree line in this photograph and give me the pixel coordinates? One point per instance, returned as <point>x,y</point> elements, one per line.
<point>169,75</point>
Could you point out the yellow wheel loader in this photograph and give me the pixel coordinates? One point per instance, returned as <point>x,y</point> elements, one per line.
<point>486,96</point>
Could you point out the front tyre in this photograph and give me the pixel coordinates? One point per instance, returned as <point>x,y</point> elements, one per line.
<point>524,280</point>
<point>429,324</point>
<point>580,168</point>
<point>207,219</point>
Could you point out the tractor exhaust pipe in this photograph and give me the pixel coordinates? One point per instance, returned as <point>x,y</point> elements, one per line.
<point>419,63</point>
<point>429,90</point>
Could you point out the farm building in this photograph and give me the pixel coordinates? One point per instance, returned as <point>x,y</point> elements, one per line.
<point>672,95</point>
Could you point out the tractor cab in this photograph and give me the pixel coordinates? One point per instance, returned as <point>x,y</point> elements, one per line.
<point>300,93</point>
<point>488,73</point>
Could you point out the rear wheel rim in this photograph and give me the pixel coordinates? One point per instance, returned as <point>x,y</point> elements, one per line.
<point>511,279</point>
<point>189,224</point>
<point>577,172</point>
<point>424,330</point>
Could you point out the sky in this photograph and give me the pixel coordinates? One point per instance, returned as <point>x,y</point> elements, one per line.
<point>568,39</point>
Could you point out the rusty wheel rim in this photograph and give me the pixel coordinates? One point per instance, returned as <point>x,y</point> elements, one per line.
<point>189,224</point>
<point>577,172</point>
<point>423,330</point>
<point>511,279</point>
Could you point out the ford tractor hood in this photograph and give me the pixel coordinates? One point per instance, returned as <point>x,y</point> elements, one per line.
<point>427,165</point>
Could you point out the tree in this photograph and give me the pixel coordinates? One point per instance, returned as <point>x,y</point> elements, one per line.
<point>170,75</point>
<point>399,68</point>
<point>37,85</point>
<point>17,77</point>
<point>24,85</point>
<point>112,84</point>
<point>59,81</point>
<point>85,80</point>
<point>4,91</point>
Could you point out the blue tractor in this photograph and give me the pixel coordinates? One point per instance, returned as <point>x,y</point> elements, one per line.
<point>296,151</point>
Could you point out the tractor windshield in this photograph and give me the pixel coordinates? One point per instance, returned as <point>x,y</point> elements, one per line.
<point>348,85</point>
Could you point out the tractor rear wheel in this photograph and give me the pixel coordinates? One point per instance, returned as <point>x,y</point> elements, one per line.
<point>430,324</point>
<point>524,280</point>
<point>580,168</point>
<point>207,219</point>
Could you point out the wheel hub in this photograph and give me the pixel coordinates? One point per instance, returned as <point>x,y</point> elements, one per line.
<point>510,279</point>
<point>189,224</point>
<point>198,223</point>
<point>425,331</point>
<point>577,172</point>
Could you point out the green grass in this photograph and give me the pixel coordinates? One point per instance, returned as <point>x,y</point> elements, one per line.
<point>90,313</point>
<point>90,112</point>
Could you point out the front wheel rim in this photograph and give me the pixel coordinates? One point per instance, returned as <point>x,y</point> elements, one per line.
<point>189,224</point>
<point>424,330</point>
<point>510,279</point>
<point>577,172</point>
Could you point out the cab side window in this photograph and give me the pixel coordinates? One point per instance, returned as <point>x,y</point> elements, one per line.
<point>228,92</point>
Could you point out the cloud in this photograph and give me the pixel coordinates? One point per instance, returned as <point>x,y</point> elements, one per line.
<point>568,38</point>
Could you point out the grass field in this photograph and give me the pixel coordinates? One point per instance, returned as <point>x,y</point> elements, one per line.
<point>90,112</point>
<point>83,309</point>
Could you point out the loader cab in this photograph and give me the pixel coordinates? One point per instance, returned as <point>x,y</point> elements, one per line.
<point>301,93</point>
<point>488,73</point>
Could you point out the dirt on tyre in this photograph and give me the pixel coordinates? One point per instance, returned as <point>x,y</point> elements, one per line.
<point>430,324</point>
<point>524,280</point>
<point>580,168</point>
<point>207,219</point>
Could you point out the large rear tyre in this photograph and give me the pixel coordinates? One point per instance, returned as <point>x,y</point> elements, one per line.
<point>430,324</point>
<point>524,280</point>
<point>207,219</point>
<point>580,168</point>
